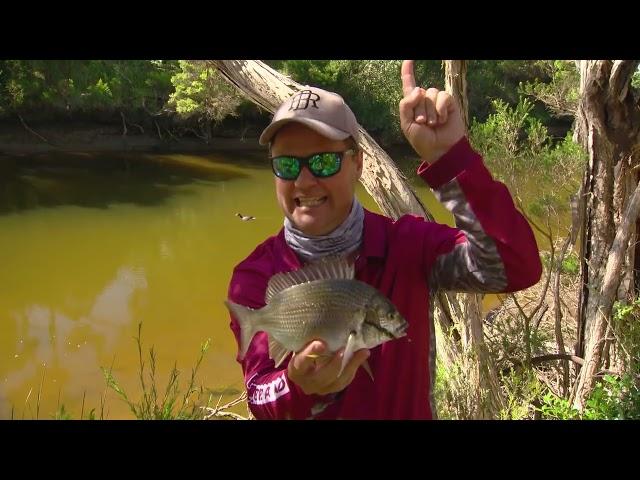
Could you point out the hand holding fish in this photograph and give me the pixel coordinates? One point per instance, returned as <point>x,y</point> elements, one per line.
<point>321,308</point>
<point>430,119</point>
<point>322,377</point>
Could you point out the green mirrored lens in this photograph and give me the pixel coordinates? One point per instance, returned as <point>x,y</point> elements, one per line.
<point>286,167</point>
<point>324,164</point>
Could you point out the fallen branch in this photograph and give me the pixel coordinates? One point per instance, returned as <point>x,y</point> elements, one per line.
<point>516,363</point>
<point>221,411</point>
<point>32,131</point>
<point>540,316</point>
<point>557,356</point>
<point>124,125</point>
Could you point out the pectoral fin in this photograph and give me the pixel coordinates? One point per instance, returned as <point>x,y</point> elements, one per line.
<point>277,352</point>
<point>367,368</point>
<point>348,351</point>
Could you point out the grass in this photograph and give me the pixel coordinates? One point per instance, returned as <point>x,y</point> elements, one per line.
<point>155,403</point>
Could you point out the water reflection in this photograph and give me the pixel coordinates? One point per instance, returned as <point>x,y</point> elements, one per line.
<point>51,340</point>
<point>53,180</point>
<point>112,308</point>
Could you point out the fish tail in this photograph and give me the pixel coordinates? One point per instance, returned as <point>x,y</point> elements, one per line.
<point>246,318</point>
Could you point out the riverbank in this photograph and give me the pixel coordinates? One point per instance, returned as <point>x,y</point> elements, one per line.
<point>21,140</point>
<point>29,139</point>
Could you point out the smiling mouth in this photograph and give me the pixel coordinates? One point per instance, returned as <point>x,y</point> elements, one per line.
<point>310,201</point>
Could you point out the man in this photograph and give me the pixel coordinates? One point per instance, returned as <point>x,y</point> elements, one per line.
<point>313,140</point>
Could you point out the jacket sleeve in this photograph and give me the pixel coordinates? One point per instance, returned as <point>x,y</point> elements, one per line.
<point>270,393</point>
<point>492,248</point>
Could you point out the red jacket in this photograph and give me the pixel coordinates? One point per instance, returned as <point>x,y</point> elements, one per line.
<point>491,250</point>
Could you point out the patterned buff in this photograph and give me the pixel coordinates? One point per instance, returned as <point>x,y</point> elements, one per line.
<point>344,240</point>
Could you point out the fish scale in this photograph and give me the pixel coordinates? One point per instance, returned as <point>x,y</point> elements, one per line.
<point>307,304</point>
<point>312,304</point>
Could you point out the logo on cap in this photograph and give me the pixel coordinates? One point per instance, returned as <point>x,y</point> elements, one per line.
<point>302,99</point>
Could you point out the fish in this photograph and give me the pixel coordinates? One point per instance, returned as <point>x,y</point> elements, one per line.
<point>320,301</point>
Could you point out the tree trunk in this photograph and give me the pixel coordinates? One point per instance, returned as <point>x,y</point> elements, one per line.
<point>485,373</point>
<point>608,125</point>
<point>455,80</point>
<point>607,295</point>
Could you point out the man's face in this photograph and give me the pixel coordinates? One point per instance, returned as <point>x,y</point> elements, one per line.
<point>316,206</point>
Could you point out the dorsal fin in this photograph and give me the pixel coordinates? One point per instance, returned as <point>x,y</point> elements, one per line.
<point>328,268</point>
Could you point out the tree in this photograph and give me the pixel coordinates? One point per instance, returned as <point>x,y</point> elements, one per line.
<point>561,94</point>
<point>608,125</point>
<point>470,353</point>
<point>201,93</point>
<point>51,87</point>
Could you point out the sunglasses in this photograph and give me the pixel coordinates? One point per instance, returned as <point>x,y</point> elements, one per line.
<point>321,165</point>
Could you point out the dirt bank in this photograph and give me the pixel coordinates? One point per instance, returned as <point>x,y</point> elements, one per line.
<point>17,139</point>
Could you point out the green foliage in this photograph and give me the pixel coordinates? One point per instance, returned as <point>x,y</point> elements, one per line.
<point>626,327</point>
<point>197,94</point>
<point>502,134</point>
<point>571,264</point>
<point>453,397</point>
<point>558,408</point>
<point>199,90</point>
<point>372,88</point>
<point>155,406</point>
<point>61,414</point>
<point>560,91</point>
<point>84,86</point>
<point>635,80</point>
<point>12,91</point>
<point>508,340</point>
<point>519,151</point>
<point>490,80</point>
<point>614,398</point>
<point>521,390</point>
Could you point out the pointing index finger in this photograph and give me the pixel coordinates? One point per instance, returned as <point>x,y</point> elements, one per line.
<point>408,79</point>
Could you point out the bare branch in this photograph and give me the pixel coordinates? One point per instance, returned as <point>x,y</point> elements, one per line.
<point>557,308</point>
<point>221,411</point>
<point>124,125</point>
<point>32,131</point>
<point>517,363</point>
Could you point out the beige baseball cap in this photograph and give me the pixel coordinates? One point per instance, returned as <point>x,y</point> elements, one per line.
<point>323,111</point>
